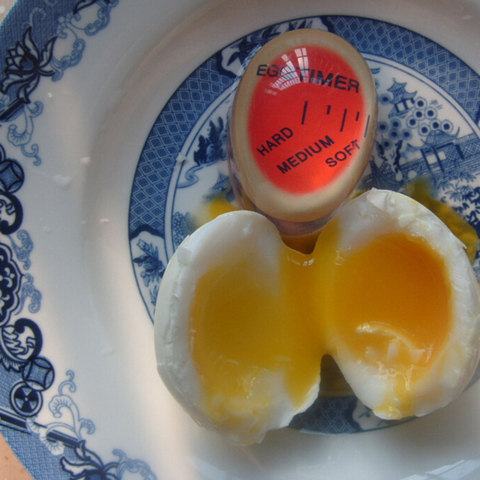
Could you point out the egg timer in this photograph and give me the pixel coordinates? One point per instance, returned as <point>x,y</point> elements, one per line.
<point>302,129</point>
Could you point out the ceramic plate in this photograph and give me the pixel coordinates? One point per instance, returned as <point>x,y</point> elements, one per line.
<point>112,130</point>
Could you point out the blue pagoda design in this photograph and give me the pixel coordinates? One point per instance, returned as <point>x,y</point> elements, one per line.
<point>402,101</point>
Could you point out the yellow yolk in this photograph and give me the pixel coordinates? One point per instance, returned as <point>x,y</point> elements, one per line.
<point>242,326</point>
<point>240,331</point>
<point>212,208</point>
<point>219,205</point>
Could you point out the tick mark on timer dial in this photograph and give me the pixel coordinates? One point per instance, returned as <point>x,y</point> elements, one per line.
<point>304,115</point>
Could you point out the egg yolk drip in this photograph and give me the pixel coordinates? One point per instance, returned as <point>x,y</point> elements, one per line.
<point>386,305</point>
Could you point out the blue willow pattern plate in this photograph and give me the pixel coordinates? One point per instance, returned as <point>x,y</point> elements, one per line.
<point>428,115</point>
<point>30,38</point>
<point>429,111</point>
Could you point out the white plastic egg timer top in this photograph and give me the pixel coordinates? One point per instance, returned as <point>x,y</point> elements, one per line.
<point>302,128</point>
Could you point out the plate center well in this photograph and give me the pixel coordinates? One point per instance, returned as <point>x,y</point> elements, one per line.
<point>428,115</point>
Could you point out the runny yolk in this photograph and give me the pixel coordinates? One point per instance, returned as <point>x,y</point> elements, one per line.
<point>252,337</point>
<point>389,305</point>
<point>245,343</point>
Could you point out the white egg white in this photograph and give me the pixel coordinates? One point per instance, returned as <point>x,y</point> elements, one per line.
<point>378,212</point>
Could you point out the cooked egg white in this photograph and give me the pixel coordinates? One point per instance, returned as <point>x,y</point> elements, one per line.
<point>243,322</point>
<point>401,304</point>
<point>226,348</point>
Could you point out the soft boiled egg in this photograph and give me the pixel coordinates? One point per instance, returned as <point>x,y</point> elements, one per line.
<point>243,321</point>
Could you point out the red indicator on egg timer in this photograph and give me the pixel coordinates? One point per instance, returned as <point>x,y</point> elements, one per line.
<point>302,128</point>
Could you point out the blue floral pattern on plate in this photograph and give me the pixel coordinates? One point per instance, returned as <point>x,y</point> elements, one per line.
<point>56,449</point>
<point>428,127</point>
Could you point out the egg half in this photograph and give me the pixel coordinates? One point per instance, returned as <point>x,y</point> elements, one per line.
<point>243,321</point>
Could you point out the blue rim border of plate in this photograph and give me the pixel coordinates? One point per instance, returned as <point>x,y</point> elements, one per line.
<point>58,449</point>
